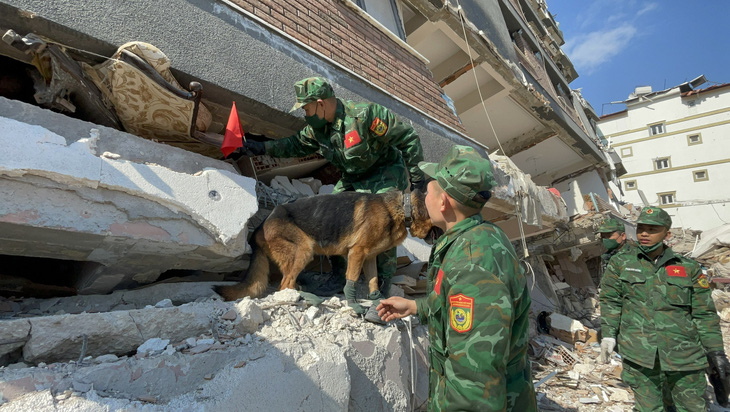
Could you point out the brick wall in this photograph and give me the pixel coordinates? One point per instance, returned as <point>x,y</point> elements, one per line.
<point>335,30</point>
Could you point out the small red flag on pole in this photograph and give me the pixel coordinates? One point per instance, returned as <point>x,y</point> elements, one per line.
<point>233,138</point>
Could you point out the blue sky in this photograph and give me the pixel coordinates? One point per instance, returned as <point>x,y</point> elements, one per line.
<point>616,45</point>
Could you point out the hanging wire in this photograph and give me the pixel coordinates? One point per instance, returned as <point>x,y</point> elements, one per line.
<point>462,18</point>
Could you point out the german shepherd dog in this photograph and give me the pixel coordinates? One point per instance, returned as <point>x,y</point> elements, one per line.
<point>358,226</point>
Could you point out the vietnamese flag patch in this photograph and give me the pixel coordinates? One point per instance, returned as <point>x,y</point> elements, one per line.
<point>437,285</point>
<point>351,139</point>
<point>676,271</point>
<point>461,312</point>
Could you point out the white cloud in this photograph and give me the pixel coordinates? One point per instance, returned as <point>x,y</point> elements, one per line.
<point>647,8</point>
<point>590,50</point>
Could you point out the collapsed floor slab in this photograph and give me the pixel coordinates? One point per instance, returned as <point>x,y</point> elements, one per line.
<point>126,207</point>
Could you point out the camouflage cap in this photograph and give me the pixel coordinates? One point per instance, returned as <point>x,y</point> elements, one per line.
<point>310,90</point>
<point>611,225</point>
<point>464,175</point>
<point>654,216</point>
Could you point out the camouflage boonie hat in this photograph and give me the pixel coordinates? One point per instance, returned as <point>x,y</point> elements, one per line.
<point>464,175</point>
<point>654,216</point>
<point>610,225</point>
<point>310,90</point>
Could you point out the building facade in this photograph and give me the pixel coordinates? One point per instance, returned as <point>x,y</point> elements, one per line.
<point>673,144</point>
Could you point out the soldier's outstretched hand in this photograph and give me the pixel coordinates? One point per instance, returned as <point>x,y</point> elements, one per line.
<point>396,307</point>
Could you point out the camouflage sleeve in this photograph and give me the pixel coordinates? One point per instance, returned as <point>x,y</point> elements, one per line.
<point>611,299</point>
<point>422,310</point>
<point>298,145</point>
<point>477,337</point>
<point>704,314</point>
<point>398,134</point>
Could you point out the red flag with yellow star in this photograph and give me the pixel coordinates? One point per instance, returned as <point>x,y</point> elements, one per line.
<point>676,271</point>
<point>351,139</point>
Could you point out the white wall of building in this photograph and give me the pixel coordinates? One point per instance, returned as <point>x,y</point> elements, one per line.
<point>697,204</point>
<point>573,190</point>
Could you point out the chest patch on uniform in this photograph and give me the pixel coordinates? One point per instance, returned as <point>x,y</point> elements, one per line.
<point>351,139</point>
<point>676,271</point>
<point>437,285</point>
<point>703,282</point>
<point>461,312</point>
<point>378,127</point>
<point>633,270</point>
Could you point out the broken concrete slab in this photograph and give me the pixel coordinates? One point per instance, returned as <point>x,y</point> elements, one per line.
<point>179,293</point>
<point>128,217</point>
<point>67,337</point>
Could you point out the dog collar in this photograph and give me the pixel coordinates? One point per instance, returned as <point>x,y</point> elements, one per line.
<point>408,219</point>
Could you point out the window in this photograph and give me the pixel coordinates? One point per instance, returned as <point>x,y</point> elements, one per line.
<point>662,163</point>
<point>667,198</point>
<point>386,13</point>
<point>700,175</point>
<point>693,139</point>
<point>630,185</point>
<point>655,129</point>
<point>627,151</point>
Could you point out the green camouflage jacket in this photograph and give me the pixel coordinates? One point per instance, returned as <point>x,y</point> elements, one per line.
<point>366,142</point>
<point>628,244</point>
<point>477,310</point>
<point>664,306</point>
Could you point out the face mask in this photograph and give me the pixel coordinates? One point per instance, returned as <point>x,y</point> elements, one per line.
<point>609,244</point>
<point>648,249</point>
<point>315,121</point>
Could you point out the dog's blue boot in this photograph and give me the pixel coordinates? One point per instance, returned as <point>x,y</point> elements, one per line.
<point>372,314</point>
<point>350,295</point>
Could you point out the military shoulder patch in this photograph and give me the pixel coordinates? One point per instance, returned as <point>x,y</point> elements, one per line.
<point>703,282</point>
<point>461,312</point>
<point>351,139</point>
<point>676,271</point>
<point>378,127</point>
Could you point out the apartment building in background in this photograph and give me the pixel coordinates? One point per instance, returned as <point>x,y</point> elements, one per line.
<point>675,148</point>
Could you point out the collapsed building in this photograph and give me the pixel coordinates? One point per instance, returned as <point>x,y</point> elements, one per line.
<point>112,176</point>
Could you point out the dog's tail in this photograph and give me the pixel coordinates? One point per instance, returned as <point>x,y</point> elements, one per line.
<point>257,277</point>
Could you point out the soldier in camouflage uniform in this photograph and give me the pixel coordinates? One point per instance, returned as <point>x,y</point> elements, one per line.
<point>478,301</point>
<point>373,149</point>
<point>656,308</point>
<point>613,238</point>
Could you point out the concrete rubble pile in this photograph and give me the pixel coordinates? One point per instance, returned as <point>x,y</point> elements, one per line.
<point>569,375</point>
<point>192,351</point>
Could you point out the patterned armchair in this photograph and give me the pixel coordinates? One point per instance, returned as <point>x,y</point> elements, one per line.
<point>149,101</point>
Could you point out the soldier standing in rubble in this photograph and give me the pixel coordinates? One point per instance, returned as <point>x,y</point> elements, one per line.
<point>478,301</point>
<point>657,310</point>
<point>613,238</point>
<point>373,149</point>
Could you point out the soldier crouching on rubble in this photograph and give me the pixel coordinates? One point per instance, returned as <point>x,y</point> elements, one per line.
<point>478,301</point>
<point>613,237</point>
<point>373,149</point>
<point>657,310</point>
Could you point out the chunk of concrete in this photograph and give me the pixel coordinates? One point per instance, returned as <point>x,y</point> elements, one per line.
<point>13,335</point>
<point>61,338</point>
<point>250,316</point>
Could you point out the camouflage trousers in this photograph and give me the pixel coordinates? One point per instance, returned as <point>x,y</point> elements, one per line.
<point>518,393</point>
<point>655,389</point>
